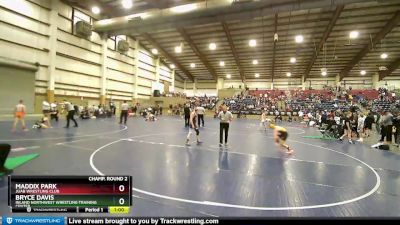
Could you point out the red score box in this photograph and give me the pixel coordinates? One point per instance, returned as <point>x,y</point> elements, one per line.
<point>67,189</point>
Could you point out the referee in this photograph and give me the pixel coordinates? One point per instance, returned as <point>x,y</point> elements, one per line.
<point>124,112</point>
<point>225,118</point>
<point>71,112</point>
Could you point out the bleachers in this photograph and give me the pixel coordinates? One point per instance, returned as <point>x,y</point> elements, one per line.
<point>303,94</point>
<point>206,102</point>
<point>367,94</point>
<point>295,100</point>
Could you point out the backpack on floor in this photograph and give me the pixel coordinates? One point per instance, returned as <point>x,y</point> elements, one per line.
<point>384,147</point>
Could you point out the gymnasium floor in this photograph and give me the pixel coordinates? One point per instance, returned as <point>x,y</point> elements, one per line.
<point>249,178</point>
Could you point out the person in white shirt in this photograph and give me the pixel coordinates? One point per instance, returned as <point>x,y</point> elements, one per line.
<point>200,114</point>
<point>225,118</point>
<point>71,112</point>
<point>124,112</point>
<point>45,107</point>
<point>54,111</point>
<point>310,116</point>
<point>264,120</point>
<point>19,115</point>
<point>360,126</point>
<point>301,114</point>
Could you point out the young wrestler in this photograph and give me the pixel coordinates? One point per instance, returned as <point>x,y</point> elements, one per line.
<point>263,123</point>
<point>19,115</point>
<point>193,123</point>
<point>150,117</point>
<point>280,137</point>
<point>347,127</point>
<point>41,124</point>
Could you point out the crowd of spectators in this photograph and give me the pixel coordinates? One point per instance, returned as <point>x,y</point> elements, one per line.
<point>206,102</point>
<point>298,100</point>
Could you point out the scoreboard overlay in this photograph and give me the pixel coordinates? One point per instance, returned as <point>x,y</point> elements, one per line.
<point>92,194</point>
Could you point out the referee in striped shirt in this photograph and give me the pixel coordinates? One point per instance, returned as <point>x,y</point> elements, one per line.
<point>225,118</point>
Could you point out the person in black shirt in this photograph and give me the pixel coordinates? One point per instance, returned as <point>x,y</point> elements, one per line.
<point>368,124</point>
<point>396,124</point>
<point>347,127</point>
<point>324,117</point>
<point>330,119</point>
<point>186,110</point>
<point>354,124</point>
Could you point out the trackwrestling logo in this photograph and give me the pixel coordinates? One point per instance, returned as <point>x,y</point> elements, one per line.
<point>33,220</point>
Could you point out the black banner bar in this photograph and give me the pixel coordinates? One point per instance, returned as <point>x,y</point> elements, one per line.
<point>9,191</point>
<point>45,210</point>
<point>71,179</point>
<point>93,209</point>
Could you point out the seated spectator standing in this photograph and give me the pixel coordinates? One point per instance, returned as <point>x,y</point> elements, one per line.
<point>186,110</point>
<point>200,114</point>
<point>54,111</point>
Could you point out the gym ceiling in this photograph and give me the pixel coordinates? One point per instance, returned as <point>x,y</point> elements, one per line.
<point>260,39</point>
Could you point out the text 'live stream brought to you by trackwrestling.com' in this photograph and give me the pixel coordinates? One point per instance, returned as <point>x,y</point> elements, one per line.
<point>139,221</point>
<point>104,221</point>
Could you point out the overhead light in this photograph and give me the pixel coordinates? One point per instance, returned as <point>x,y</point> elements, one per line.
<point>384,55</point>
<point>95,10</point>
<point>324,71</point>
<point>255,62</point>
<point>178,49</point>
<point>353,34</point>
<point>154,51</point>
<point>299,38</point>
<point>228,76</point>
<point>363,72</point>
<point>172,66</point>
<point>127,4</point>
<point>288,74</point>
<point>184,8</point>
<point>252,43</point>
<point>382,68</point>
<point>212,46</point>
<point>137,16</point>
<point>257,75</point>
<point>222,63</point>
<point>293,60</point>
<point>192,65</point>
